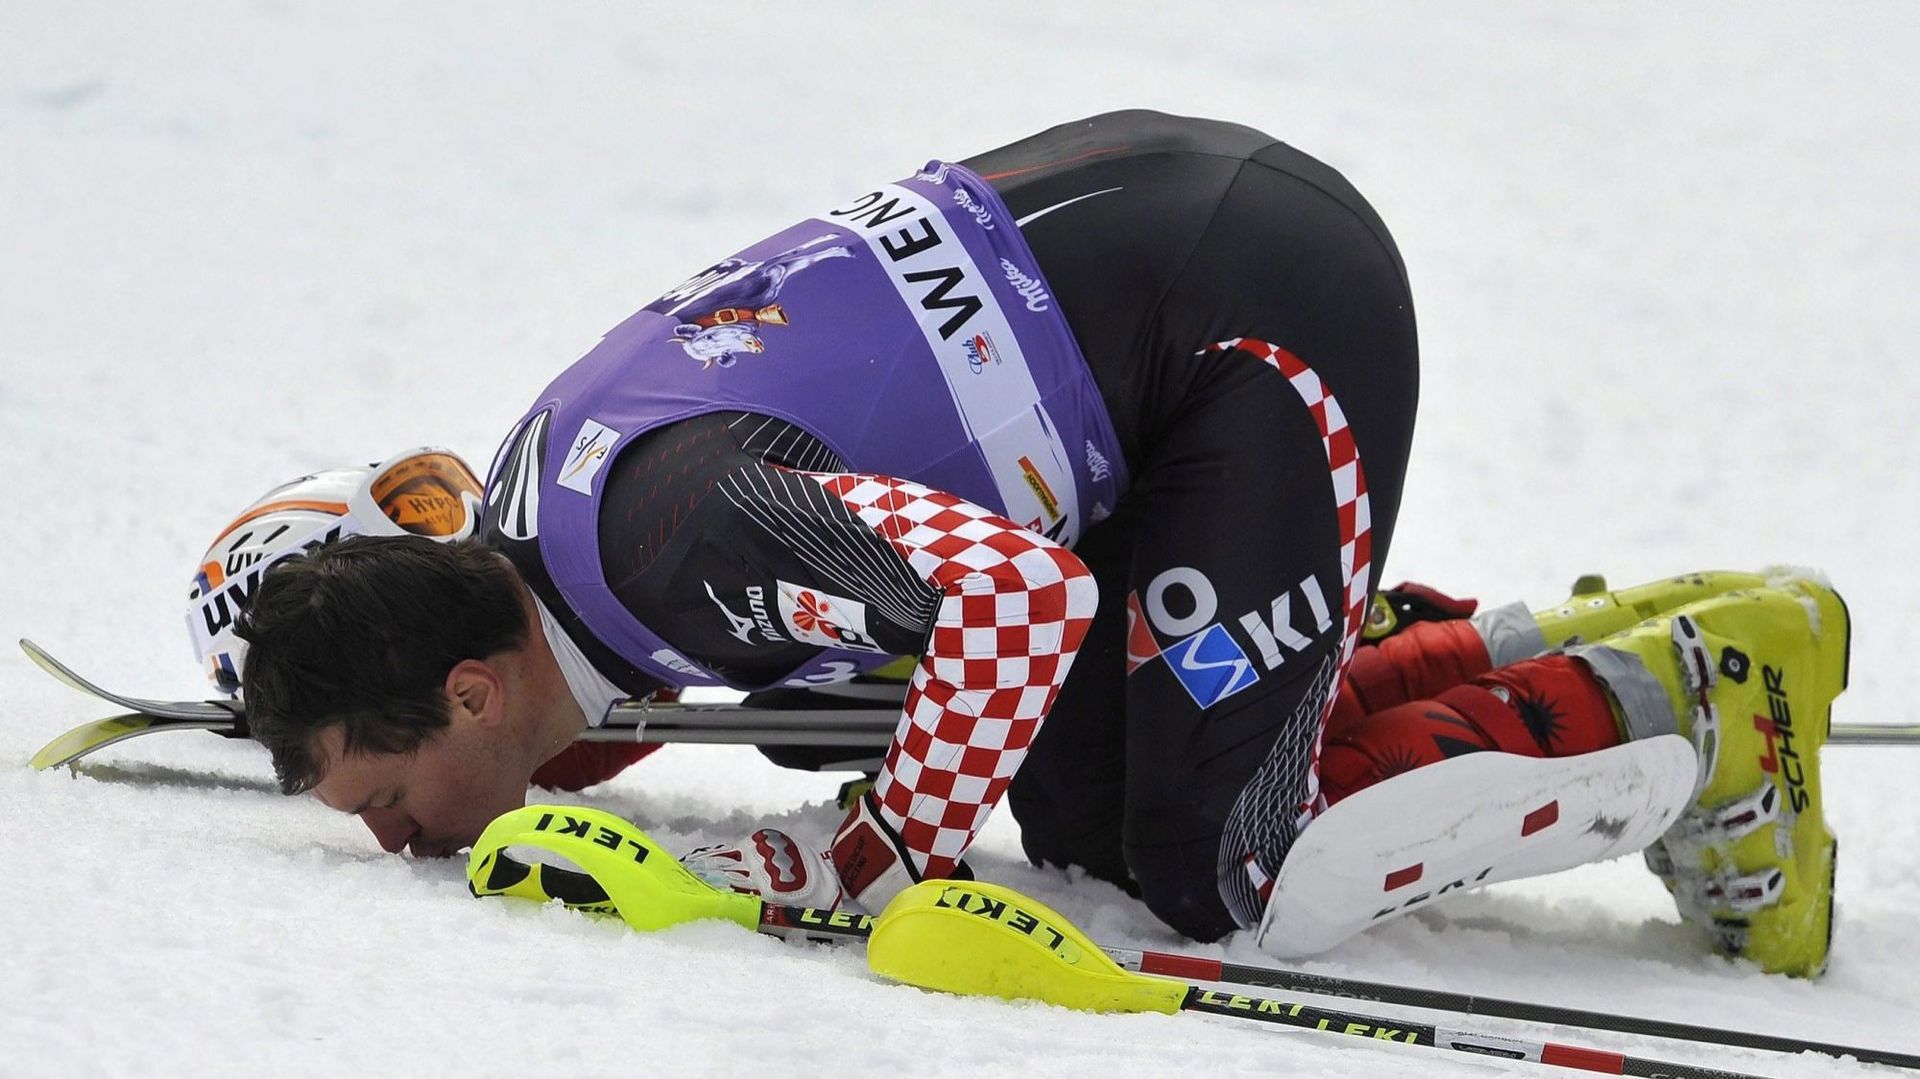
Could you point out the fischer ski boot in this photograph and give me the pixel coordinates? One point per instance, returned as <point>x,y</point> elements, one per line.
<point>1749,677</point>
<point>1513,633</point>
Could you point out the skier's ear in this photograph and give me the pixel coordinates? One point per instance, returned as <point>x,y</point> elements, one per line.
<point>473,693</point>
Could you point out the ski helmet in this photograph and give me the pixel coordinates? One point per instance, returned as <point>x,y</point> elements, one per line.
<point>422,492</point>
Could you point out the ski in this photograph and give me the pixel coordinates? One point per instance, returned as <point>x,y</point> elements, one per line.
<point>671,723</point>
<point>790,717</point>
<point>869,723</point>
<point>101,733</point>
<point>213,711</point>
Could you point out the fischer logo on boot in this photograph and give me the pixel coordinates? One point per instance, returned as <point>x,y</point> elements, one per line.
<point>1777,725</point>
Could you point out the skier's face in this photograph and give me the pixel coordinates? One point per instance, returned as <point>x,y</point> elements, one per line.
<point>433,801</point>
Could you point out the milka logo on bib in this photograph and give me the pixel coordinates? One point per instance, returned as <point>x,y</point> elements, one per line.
<point>824,619</point>
<point>981,215</point>
<point>1027,285</point>
<point>722,310</point>
<point>585,457</point>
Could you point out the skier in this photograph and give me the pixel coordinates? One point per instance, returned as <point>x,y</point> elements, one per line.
<point>1108,428</point>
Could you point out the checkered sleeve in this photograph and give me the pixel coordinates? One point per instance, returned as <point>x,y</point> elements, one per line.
<point>1013,609</point>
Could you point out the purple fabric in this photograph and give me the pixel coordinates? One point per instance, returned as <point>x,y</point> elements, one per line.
<point>894,328</point>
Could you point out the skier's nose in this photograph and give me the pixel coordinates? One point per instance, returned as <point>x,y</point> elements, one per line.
<point>391,827</point>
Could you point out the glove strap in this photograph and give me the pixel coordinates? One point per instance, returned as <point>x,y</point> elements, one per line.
<point>872,861</point>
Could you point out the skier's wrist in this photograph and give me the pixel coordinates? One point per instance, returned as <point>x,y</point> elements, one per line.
<point>873,863</point>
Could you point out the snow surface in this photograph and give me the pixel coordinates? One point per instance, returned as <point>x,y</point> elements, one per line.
<point>1664,259</point>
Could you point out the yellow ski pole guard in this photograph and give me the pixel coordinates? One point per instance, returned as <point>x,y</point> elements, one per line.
<point>645,886</point>
<point>981,939</point>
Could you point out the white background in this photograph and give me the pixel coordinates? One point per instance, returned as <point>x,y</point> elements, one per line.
<point>1664,264</point>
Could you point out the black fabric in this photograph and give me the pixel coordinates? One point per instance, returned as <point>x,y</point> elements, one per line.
<point>1215,232</point>
<point>703,518</point>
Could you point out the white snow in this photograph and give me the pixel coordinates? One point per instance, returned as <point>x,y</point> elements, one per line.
<point>1664,259</point>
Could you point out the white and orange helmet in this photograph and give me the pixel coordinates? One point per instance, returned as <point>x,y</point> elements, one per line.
<point>423,492</point>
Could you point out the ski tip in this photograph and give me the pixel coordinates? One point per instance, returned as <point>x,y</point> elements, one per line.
<point>86,738</point>
<point>37,654</point>
<point>60,671</point>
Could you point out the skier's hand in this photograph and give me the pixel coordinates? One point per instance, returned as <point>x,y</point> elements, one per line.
<point>1396,608</point>
<point>771,865</point>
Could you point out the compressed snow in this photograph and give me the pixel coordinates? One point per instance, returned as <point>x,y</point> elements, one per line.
<point>1663,257</point>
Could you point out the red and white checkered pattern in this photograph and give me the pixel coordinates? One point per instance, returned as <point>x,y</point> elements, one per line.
<point>1350,502</point>
<point>1015,610</point>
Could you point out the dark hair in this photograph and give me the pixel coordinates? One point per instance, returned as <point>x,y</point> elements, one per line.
<point>361,633</point>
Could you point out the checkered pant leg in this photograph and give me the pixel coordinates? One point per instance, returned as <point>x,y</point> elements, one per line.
<point>1263,825</point>
<point>1014,609</point>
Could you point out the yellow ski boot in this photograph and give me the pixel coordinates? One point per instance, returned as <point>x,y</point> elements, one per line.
<point>1513,633</point>
<point>1749,677</point>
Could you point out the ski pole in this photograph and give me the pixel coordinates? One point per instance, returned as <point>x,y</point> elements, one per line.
<point>968,938</point>
<point>1225,972</point>
<point>811,924</point>
<point>804,923</point>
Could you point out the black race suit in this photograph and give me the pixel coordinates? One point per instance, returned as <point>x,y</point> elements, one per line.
<point>1158,237</point>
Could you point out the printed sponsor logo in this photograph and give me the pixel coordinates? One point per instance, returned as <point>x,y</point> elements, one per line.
<point>757,603</point>
<point>1486,1045</point>
<point>1033,925</point>
<point>1234,1002</point>
<point>240,560</point>
<point>1200,597</point>
<point>612,839</point>
<point>704,282</point>
<point>1430,893</point>
<point>219,609</point>
<point>737,627</point>
<point>741,627</point>
<point>674,661</point>
<point>1041,490</point>
<point>1142,648</point>
<point>1027,285</point>
<point>1098,468</point>
<point>980,353</point>
<point>821,618</point>
<point>720,313</point>
<point>1285,627</point>
<point>1276,629</point>
<point>1777,725</point>
<point>1211,666</point>
<point>981,215</point>
<point>589,452</point>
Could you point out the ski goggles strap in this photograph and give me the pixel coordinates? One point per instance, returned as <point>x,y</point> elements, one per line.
<point>644,885</point>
